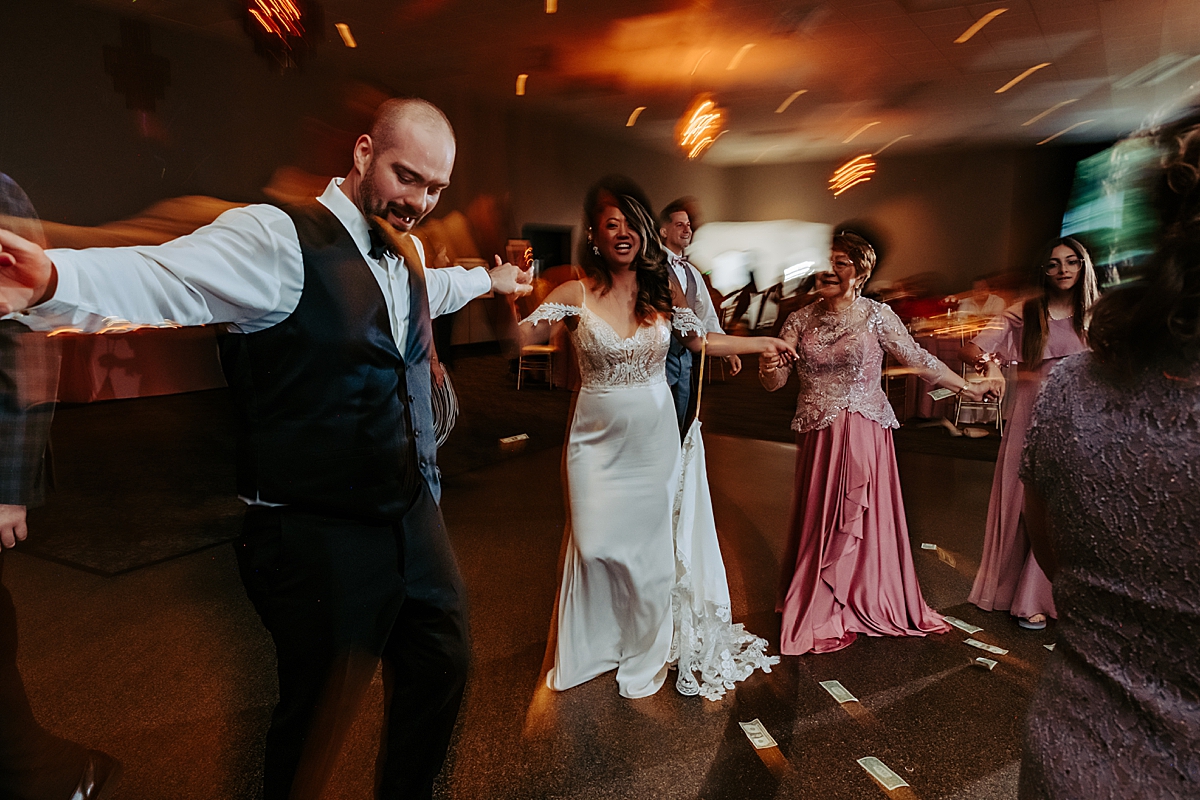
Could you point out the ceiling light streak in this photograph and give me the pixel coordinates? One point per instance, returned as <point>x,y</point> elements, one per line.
<point>791,99</point>
<point>759,157</point>
<point>856,134</point>
<point>853,172</point>
<point>737,59</point>
<point>892,142</point>
<point>978,26</point>
<point>1068,129</point>
<point>700,59</point>
<point>551,6</point>
<point>521,84</point>
<point>1049,111</point>
<point>347,37</point>
<point>633,118</point>
<point>1022,77</point>
<point>700,126</point>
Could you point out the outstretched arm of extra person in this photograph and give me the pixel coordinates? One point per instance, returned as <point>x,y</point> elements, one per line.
<point>722,344</point>
<point>27,276</point>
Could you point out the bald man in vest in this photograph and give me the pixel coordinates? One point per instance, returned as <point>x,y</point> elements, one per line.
<point>343,551</point>
<point>676,233</point>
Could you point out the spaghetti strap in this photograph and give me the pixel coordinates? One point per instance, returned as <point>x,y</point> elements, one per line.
<point>583,288</point>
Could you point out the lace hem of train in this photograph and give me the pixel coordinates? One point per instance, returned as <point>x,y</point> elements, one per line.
<point>711,652</point>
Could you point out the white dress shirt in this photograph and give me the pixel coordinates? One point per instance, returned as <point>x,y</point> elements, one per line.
<point>704,306</point>
<point>245,269</point>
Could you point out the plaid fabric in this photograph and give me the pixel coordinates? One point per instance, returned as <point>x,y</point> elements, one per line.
<point>29,364</point>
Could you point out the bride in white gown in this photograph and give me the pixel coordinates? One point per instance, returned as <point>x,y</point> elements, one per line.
<point>643,585</point>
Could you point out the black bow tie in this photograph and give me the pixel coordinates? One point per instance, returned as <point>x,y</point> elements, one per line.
<point>379,246</point>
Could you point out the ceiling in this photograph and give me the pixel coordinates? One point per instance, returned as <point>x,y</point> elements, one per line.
<point>873,73</point>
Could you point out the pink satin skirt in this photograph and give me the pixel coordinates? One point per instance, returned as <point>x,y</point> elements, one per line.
<point>848,567</point>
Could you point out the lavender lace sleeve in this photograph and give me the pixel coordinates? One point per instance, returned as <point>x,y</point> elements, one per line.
<point>897,341</point>
<point>552,312</point>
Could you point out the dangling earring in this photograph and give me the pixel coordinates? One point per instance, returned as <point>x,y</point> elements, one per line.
<point>595,250</point>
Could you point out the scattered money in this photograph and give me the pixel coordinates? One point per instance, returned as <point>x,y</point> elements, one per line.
<point>880,772</point>
<point>928,546</point>
<point>941,394</point>
<point>965,627</point>
<point>756,732</point>
<point>946,557</point>
<point>838,692</point>
<point>986,662</point>
<point>987,648</point>
<point>1049,646</point>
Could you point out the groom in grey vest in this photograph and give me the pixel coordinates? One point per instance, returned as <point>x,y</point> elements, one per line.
<point>676,233</point>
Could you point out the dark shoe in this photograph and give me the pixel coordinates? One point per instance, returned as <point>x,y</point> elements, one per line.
<point>101,774</point>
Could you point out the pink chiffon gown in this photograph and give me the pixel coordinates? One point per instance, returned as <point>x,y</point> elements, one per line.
<point>1009,578</point>
<point>848,566</point>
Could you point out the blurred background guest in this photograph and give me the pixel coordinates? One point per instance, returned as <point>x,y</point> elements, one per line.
<point>981,302</point>
<point>1110,466</point>
<point>34,764</point>
<point>848,568</point>
<point>1036,335</point>
<point>676,232</point>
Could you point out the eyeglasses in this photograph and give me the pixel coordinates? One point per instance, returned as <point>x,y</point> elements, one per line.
<point>1070,265</point>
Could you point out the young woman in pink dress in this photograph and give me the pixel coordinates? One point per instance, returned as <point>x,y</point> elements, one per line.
<point>848,566</point>
<point>1036,335</point>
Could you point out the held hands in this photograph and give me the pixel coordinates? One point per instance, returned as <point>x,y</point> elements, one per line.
<point>774,353</point>
<point>510,279</point>
<point>12,525</point>
<point>26,273</point>
<point>978,391</point>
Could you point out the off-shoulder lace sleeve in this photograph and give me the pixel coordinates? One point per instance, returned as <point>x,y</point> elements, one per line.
<point>685,321</point>
<point>552,312</point>
<point>896,340</point>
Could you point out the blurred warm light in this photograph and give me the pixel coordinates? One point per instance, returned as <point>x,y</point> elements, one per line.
<point>1049,111</point>
<point>859,132</point>
<point>978,26</point>
<point>521,84</point>
<point>853,172</point>
<point>791,99</point>
<point>892,142</point>
<point>1067,129</point>
<point>700,126</point>
<point>737,59</point>
<point>278,17</point>
<point>633,118</point>
<point>1022,77</point>
<point>347,37</point>
<point>551,6</point>
<point>703,55</point>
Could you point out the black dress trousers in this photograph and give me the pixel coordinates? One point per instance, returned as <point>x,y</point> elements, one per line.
<point>337,595</point>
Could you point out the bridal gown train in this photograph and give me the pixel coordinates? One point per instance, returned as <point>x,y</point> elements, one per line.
<point>640,593</point>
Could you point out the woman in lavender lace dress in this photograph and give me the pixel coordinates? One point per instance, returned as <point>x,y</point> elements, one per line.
<point>848,566</point>
<point>1035,334</point>
<point>1112,470</point>
<point>628,599</point>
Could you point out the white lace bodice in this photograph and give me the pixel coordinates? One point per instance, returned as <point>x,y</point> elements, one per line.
<point>608,361</point>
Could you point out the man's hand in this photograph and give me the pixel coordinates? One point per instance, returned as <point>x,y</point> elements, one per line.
<point>27,275</point>
<point>510,279</point>
<point>12,525</point>
<point>735,364</point>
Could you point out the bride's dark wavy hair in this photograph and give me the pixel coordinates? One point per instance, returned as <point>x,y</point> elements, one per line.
<point>653,283</point>
<point>1156,319</point>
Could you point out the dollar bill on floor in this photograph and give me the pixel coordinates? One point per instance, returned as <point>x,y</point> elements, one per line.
<point>986,662</point>
<point>965,627</point>
<point>1049,646</point>
<point>987,648</point>
<point>880,772</point>
<point>946,557</point>
<point>756,732</point>
<point>928,546</point>
<point>838,692</point>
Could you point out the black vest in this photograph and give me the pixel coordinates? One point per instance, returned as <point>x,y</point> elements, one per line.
<point>331,417</point>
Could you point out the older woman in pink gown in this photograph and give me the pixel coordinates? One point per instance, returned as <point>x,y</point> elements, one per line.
<point>1036,334</point>
<point>848,566</point>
